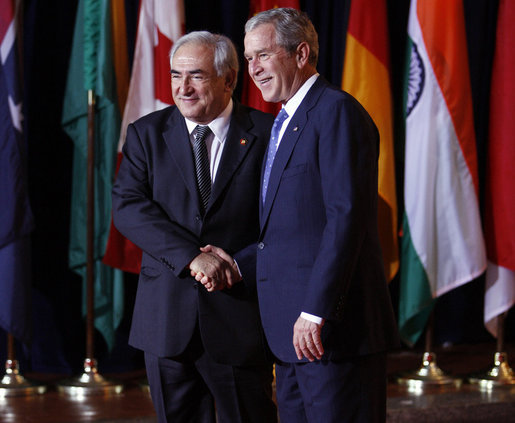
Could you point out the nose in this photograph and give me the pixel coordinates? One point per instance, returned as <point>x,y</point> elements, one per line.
<point>254,67</point>
<point>184,87</point>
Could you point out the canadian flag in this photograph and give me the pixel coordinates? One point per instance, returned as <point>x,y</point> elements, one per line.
<point>160,23</point>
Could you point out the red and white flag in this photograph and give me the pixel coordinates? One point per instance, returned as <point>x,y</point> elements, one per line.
<point>160,23</point>
<point>499,187</point>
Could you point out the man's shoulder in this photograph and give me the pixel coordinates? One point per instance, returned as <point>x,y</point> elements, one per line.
<point>329,98</point>
<point>157,118</point>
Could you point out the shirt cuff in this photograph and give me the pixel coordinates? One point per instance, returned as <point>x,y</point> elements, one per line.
<point>237,268</point>
<point>312,318</point>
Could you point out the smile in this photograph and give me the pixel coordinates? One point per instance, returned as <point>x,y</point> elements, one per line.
<point>264,81</point>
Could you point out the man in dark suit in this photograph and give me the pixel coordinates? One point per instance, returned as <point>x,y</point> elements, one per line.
<point>201,336</point>
<point>323,297</point>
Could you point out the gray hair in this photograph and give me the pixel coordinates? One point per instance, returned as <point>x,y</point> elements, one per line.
<point>292,27</point>
<point>225,56</point>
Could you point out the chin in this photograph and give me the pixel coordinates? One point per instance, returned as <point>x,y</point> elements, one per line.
<point>269,98</point>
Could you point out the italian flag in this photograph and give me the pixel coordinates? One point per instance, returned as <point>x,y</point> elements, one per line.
<point>442,245</point>
<point>160,23</point>
<point>499,186</point>
<point>366,76</point>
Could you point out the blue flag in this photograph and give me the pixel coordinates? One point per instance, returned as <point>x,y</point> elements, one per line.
<point>16,221</point>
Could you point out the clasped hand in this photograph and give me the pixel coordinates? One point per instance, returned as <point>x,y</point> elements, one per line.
<point>214,269</point>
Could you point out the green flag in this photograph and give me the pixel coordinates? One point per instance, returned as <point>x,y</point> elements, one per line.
<point>91,67</point>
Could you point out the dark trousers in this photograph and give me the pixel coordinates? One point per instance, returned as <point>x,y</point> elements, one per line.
<point>189,389</point>
<point>352,390</point>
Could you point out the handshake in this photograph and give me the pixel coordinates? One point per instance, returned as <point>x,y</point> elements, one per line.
<point>215,269</point>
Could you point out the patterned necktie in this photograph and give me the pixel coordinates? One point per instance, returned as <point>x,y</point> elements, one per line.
<point>272,149</point>
<point>202,164</point>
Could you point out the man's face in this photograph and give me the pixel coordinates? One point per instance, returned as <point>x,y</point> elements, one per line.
<point>199,93</point>
<point>270,66</point>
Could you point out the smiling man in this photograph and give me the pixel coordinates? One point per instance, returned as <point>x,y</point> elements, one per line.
<point>190,177</point>
<point>323,297</point>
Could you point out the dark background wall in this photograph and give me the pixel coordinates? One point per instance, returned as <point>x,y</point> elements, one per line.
<point>58,328</point>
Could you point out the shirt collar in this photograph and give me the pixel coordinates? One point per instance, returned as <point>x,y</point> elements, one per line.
<point>293,103</point>
<point>219,125</point>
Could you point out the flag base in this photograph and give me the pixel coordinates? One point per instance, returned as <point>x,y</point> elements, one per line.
<point>428,374</point>
<point>499,375</point>
<point>89,383</point>
<point>13,383</point>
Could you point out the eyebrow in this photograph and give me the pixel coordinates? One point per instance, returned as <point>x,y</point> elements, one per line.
<point>262,50</point>
<point>191,72</point>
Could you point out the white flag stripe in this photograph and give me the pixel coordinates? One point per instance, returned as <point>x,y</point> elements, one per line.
<point>168,16</point>
<point>7,42</point>
<point>499,294</point>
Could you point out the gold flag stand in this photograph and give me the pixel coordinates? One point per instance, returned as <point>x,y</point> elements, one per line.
<point>501,373</point>
<point>13,383</point>
<point>428,374</point>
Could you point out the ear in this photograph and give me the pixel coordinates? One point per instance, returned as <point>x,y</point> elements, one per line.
<point>229,79</point>
<point>302,54</point>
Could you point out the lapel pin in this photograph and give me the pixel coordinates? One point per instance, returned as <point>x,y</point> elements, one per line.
<point>295,129</point>
<point>243,141</point>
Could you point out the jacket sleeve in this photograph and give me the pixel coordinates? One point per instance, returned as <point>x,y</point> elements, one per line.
<point>141,219</point>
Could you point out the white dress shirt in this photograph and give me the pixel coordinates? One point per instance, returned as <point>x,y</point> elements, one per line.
<point>215,141</point>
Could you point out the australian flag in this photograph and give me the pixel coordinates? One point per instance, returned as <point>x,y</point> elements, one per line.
<point>16,221</point>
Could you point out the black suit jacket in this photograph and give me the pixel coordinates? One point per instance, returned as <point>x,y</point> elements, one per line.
<point>156,206</point>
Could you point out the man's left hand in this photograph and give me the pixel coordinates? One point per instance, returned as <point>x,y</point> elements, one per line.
<point>307,339</point>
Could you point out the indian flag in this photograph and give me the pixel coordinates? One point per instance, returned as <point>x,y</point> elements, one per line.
<point>442,245</point>
<point>366,76</point>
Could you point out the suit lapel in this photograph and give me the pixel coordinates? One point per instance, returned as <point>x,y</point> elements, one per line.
<point>237,145</point>
<point>290,138</point>
<point>177,140</point>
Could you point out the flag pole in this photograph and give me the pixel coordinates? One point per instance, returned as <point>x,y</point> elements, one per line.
<point>90,381</point>
<point>501,373</point>
<point>13,383</point>
<point>428,374</point>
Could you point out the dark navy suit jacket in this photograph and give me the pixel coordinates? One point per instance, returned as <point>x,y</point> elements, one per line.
<point>156,206</point>
<point>318,249</point>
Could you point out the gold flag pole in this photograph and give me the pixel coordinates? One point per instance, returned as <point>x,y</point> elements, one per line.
<point>90,381</point>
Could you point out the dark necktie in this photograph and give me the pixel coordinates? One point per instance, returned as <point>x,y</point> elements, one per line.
<point>273,144</point>
<point>202,164</point>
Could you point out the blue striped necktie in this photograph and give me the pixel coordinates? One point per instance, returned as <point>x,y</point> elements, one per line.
<point>272,148</point>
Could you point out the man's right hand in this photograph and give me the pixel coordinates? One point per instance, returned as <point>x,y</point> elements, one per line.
<point>213,272</point>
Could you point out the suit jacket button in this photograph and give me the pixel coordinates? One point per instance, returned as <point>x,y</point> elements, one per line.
<point>198,218</point>
<point>261,245</point>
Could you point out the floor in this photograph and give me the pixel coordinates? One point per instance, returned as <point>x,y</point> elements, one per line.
<point>457,401</point>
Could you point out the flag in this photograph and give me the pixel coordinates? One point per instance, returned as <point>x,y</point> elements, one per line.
<point>366,76</point>
<point>15,212</point>
<point>499,187</point>
<point>442,244</point>
<point>91,67</point>
<point>160,23</point>
<point>251,95</point>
